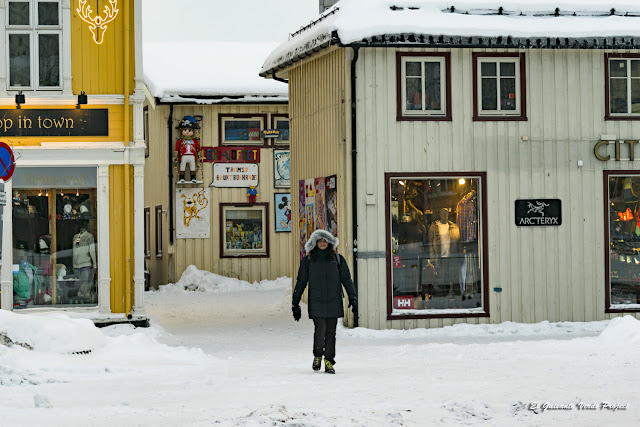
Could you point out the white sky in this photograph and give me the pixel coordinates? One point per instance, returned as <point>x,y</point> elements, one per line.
<point>228,353</point>
<point>224,20</point>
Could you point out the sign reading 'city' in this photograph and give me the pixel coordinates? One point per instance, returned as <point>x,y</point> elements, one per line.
<point>54,122</point>
<point>538,212</point>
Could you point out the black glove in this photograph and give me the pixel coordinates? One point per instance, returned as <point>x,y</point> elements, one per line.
<point>353,303</point>
<point>297,313</point>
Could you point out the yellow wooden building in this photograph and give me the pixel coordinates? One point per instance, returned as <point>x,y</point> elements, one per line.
<point>71,108</point>
<point>213,224</point>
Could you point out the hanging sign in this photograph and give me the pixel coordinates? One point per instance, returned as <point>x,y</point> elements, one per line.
<point>235,175</point>
<point>270,133</point>
<point>538,212</point>
<point>54,122</point>
<point>230,155</point>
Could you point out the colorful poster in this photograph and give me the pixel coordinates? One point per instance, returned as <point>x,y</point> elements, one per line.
<point>309,205</point>
<point>192,209</point>
<point>283,211</point>
<point>321,214</point>
<point>302,218</point>
<point>331,202</point>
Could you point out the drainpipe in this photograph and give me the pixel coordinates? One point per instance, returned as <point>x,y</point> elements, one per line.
<point>278,79</point>
<point>170,146</point>
<point>354,195</point>
<point>128,303</point>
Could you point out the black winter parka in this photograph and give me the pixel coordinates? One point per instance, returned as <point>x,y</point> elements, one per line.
<point>325,279</point>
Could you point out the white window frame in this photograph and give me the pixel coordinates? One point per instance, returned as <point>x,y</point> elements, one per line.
<point>498,61</point>
<point>258,142</point>
<point>629,79</point>
<point>443,87</point>
<point>33,29</point>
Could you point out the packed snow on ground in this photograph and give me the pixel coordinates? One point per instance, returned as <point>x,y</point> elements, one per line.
<point>227,352</point>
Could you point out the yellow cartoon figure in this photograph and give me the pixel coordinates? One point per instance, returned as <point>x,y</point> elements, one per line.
<point>193,205</point>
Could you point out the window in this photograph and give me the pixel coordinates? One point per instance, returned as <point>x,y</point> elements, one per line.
<point>621,231</point>
<point>281,123</point>
<point>499,86</point>
<point>146,131</point>
<point>436,241</point>
<point>159,232</point>
<point>244,229</point>
<point>55,237</point>
<point>34,44</point>
<point>147,232</point>
<point>622,90</point>
<point>241,129</point>
<point>424,86</point>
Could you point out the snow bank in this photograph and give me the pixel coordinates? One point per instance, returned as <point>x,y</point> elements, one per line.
<point>621,330</point>
<point>200,280</point>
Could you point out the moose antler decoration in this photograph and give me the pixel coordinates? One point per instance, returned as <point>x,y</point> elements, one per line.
<point>97,25</point>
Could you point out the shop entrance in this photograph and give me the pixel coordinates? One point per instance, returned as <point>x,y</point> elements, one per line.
<point>54,246</point>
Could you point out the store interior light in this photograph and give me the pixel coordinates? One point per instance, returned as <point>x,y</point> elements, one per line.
<point>61,193</point>
<point>40,193</point>
<point>47,194</point>
<point>77,192</point>
<point>461,181</point>
<point>401,183</point>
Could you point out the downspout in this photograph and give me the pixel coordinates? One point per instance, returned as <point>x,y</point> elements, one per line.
<point>170,146</point>
<point>278,79</point>
<point>354,195</point>
<point>127,167</point>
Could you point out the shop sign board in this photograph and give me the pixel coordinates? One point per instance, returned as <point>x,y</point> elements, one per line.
<point>230,155</point>
<point>538,212</point>
<point>235,175</point>
<point>54,122</point>
<point>7,162</point>
<point>270,133</point>
<point>40,177</point>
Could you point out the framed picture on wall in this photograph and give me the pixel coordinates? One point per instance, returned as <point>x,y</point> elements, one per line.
<point>281,168</point>
<point>282,207</point>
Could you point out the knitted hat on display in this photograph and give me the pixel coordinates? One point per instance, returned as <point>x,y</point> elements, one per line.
<point>320,234</point>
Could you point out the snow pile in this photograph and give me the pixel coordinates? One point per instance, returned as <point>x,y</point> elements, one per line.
<point>175,71</point>
<point>355,20</point>
<point>621,331</point>
<point>200,280</point>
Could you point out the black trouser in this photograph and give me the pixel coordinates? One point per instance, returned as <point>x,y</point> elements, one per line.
<point>324,337</point>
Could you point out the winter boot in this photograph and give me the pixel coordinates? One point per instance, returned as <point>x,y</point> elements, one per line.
<point>316,363</point>
<point>328,367</point>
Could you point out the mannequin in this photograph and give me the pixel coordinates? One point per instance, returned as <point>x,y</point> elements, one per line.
<point>443,237</point>
<point>84,261</point>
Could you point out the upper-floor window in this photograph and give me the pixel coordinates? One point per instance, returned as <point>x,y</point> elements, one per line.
<point>622,90</point>
<point>34,44</point>
<point>424,86</point>
<point>241,129</point>
<point>281,123</point>
<point>499,86</point>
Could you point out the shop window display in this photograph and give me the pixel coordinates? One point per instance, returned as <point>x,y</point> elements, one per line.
<point>435,235</point>
<point>244,230</point>
<point>54,247</point>
<point>624,241</point>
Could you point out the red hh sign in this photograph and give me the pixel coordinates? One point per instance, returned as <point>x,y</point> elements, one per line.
<point>396,261</point>
<point>404,302</point>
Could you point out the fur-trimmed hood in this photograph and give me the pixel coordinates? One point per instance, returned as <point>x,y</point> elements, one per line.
<point>320,234</point>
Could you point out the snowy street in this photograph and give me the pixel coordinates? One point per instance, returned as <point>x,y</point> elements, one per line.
<point>229,353</point>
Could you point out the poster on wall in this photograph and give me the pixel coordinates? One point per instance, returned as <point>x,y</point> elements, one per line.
<point>302,218</point>
<point>281,170</point>
<point>283,211</point>
<point>192,213</point>
<point>321,215</point>
<point>331,203</point>
<point>317,207</point>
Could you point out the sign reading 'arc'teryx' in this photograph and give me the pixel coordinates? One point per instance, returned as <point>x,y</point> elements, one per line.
<point>538,212</point>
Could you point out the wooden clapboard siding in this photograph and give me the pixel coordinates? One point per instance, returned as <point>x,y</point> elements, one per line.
<point>546,273</point>
<point>205,253</point>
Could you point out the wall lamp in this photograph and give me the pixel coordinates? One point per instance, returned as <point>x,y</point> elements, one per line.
<point>19,99</point>
<point>82,99</point>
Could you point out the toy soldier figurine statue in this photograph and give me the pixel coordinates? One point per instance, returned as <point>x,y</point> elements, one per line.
<point>188,148</point>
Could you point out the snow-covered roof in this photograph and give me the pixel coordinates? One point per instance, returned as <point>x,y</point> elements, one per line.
<point>504,23</point>
<point>209,72</point>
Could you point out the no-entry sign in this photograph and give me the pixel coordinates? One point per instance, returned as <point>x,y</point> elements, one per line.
<point>7,162</point>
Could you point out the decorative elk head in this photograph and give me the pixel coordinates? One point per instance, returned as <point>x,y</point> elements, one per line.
<point>97,25</point>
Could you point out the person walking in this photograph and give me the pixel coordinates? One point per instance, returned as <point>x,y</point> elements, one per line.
<point>325,272</point>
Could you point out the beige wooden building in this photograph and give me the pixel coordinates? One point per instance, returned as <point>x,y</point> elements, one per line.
<point>483,175</point>
<point>212,224</point>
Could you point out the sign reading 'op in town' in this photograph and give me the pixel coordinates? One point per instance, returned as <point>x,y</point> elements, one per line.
<point>538,212</point>
<point>54,122</point>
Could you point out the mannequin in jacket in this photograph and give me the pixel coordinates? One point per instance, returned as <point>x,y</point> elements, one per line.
<point>325,272</point>
<point>443,249</point>
<point>84,261</point>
